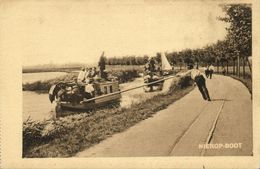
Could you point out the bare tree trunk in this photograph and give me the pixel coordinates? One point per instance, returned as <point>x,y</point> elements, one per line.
<point>238,65</point>
<point>227,66</point>
<point>244,71</point>
<point>217,67</point>
<point>249,65</point>
<point>234,66</point>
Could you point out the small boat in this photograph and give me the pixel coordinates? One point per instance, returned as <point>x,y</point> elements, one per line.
<point>154,82</point>
<point>155,72</point>
<point>71,96</point>
<point>166,67</point>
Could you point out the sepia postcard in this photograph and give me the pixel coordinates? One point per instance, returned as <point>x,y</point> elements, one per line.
<point>129,84</point>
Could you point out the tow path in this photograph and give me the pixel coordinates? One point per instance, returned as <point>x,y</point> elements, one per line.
<point>190,127</point>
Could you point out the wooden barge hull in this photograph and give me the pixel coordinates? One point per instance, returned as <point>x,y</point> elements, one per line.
<point>86,106</point>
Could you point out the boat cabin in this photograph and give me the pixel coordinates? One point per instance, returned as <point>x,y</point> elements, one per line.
<point>106,87</point>
<point>103,88</point>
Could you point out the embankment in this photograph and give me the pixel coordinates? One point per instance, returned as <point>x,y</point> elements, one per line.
<point>66,136</point>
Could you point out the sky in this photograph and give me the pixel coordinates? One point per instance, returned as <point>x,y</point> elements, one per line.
<point>69,31</point>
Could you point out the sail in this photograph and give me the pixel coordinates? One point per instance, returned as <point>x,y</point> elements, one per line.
<point>165,63</point>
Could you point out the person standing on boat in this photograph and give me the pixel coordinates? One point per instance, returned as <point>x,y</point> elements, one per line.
<point>152,63</point>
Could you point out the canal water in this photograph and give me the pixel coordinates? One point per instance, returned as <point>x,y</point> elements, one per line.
<point>33,77</point>
<point>37,106</point>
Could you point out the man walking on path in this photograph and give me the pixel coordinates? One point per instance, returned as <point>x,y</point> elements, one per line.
<point>199,79</point>
<point>223,70</point>
<point>206,70</point>
<point>211,70</point>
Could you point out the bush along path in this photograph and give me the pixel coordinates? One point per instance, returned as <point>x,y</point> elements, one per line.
<point>66,136</point>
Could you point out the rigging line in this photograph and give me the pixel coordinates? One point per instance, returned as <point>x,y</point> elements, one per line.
<point>126,90</point>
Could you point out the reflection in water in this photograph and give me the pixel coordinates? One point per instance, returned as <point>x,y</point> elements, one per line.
<point>38,106</point>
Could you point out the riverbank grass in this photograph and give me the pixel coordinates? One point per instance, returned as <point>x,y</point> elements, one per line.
<point>69,135</point>
<point>247,81</point>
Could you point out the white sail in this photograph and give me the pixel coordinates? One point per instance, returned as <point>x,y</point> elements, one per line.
<point>165,63</point>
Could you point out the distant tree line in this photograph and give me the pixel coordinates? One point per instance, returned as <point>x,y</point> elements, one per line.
<point>127,60</point>
<point>234,50</point>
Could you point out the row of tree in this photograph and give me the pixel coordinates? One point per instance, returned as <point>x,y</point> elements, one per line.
<point>127,60</point>
<point>234,50</point>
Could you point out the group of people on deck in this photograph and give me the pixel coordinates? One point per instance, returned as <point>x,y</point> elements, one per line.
<point>152,67</point>
<point>84,86</point>
<point>85,80</point>
<point>86,74</point>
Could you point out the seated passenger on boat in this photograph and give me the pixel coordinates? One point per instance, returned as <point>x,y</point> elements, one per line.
<point>87,86</point>
<point>151,75</point>
<point>75,90</point>
<point>87,72</point>
<point>93,72</point>
<point>146,67</point>
<point>82,75</point>
<point>89,91</point>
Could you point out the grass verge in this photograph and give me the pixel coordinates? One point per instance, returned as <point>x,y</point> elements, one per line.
<point>246,81</point>
<point>66,136</point>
